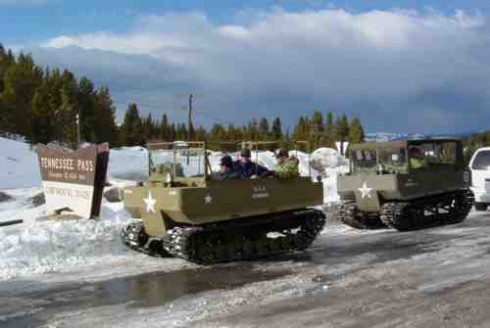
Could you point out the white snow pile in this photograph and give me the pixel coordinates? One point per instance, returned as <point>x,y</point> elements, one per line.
<point>128,163</point>
<point>42,246</point>
<point>19,165</point>
<point>329,163</point>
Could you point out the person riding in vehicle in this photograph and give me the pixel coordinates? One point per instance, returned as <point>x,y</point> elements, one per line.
<point>246,168</point>
<point>227,171</point>
<point>287,167</point>
<point>417,159</point>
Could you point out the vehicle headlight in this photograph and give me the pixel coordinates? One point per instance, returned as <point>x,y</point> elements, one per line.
<point>168,177</point>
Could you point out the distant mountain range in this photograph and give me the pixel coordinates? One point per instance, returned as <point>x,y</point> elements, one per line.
<point>387,136</point>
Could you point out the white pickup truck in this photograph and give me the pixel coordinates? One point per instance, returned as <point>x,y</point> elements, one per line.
<point>480,178</point>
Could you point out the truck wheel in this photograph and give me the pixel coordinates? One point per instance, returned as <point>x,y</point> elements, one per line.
<point>481,206</point>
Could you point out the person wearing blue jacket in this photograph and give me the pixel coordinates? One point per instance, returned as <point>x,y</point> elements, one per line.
<point>247,168</point>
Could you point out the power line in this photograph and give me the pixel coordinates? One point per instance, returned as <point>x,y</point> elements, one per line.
<point>215,118</point>
<point>151,105</point>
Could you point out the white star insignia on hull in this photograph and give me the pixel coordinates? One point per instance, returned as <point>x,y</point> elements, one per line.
<point>208,199</point>
<point>150,203</point>
<point>365,191</point>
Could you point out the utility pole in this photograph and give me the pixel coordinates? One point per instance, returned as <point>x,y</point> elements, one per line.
<point>78,130</point>
<point>189,121</point>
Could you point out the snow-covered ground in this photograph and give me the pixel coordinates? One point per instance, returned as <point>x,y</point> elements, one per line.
<point>77,273</point>
<point>432,278</point>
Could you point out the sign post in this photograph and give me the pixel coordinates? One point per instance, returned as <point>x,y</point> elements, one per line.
<point>73,181</point>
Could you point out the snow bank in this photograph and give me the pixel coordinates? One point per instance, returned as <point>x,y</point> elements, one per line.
<point>41,246</point>
<point>128,163</point>
<point>329,163</point>
<point>19,165</point>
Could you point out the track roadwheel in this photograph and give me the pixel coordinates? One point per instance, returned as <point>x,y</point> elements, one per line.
<point>462,204</point>
<point>350,215</point>
<point>401,216</point>
<point>133,235</point>
<point>205,251</point>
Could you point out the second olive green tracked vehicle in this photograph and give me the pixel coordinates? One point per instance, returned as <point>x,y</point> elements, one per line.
<point>406,185</point>
<point>188,212</point>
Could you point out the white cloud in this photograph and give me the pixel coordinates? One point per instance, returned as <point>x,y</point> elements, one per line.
<point>375,64</point>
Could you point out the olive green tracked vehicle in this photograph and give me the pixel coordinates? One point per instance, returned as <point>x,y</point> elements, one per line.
<point>406,185</point>
<point>188,212</point>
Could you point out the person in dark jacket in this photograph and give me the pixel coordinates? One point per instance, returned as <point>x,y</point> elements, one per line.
<point>247,168</point>
<point>227,171</point>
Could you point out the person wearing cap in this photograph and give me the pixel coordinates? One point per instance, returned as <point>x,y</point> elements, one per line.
<point>247,168</point>
<point>227,171</point>
<point>287,167</point>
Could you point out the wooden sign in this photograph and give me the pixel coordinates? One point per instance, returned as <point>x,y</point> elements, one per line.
<point>73,181</point>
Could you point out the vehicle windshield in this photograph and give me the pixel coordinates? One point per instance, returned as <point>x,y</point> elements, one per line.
<point>432,153</point>
<point>482,160</point>
<point>181,158</point>
<point>363,160</point>
<point>391,160</point>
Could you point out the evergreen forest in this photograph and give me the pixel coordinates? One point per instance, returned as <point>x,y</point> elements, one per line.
<point>44,104</point>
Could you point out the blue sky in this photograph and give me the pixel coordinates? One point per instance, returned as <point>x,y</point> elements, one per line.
<point>402,66</point>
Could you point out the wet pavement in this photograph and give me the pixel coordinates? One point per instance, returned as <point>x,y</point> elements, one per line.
<point>29,309</point>
<point>346,279</point>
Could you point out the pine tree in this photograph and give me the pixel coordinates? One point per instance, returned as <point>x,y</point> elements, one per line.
<point>148,127</point>
<point>330,133</point>
<point>87,111</point>
<point>43,121</point>
<point>263,129</point>
<point>356,132</point>
<point>253,128</point>
<point>5,62</point>
<point>173,132</point>
<point>69,109</point>
<point>105,129</point>
<point>181,132</point>
<point>55,101</point>
<point>317,128</point>
<point>277,129</point>
<point>217,133</point>
<point>300,130</point>
<point>131,129</point>
<point>200,133</point>
<point>21,80</point>
<point>343,128</point>
<point>164,129</point>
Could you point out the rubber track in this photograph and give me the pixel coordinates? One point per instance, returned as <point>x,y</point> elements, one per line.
<point>349,215</point>
<point>414,215</point>
<point>246,240</point>
<point>231,241</point>
<point>134,237</point>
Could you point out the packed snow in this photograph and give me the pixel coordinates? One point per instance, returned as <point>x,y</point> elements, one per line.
<point>19,165</point>
<point>77,273</point>
<point>40,245</point>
